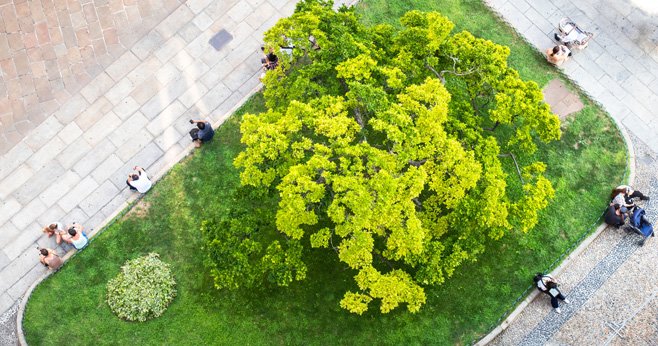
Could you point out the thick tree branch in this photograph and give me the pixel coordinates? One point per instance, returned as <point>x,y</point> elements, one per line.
<point>331,241</point>
<point>438,75</point>
<point>385,261</point>
<point>493,127</point>
<point>417,163</point>
<point>358,117</point>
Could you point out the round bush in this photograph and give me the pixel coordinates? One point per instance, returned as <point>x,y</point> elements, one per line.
<point>142,290</point>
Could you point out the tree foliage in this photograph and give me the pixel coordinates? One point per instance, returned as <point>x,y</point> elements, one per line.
<point>386,145</point>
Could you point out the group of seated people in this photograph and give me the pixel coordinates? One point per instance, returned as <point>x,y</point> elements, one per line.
<point>72,234</point>
<point>622,204</point>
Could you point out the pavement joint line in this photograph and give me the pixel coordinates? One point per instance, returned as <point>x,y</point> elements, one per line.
<point>616,329</point>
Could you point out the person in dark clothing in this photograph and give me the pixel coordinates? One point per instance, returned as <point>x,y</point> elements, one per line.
<point>202,133</point>
<point>614,216</point>
<point>271,61</point>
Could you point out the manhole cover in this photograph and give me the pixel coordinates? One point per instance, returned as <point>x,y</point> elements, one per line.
<point>220,39</point>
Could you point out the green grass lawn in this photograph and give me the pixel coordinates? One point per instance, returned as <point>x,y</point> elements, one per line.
<point>70,307</point>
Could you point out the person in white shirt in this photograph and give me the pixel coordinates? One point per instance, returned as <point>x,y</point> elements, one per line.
<point>139,180</point>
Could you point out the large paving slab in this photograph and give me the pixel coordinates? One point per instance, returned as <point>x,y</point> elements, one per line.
<point>132,109</point>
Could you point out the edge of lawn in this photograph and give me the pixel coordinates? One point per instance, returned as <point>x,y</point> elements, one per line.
<point>121,211</point>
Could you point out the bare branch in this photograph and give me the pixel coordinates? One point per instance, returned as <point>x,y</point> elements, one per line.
<point>515,164</point>
<point>454,69</point>
<point>438,75</point>
<point>358,117</point>
<point>331,241</point>
<point>493,127</point>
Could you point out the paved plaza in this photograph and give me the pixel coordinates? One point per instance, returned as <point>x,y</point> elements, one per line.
<point>89,89</point>
<point>50,49</point>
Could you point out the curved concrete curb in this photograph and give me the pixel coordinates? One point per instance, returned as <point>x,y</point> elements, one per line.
<point>567,261</point>
<point>134,198</point>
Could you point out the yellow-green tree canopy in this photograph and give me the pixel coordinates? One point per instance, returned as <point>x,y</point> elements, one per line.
<point>384,145</point>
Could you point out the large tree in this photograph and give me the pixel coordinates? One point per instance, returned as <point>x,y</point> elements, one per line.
<point>384,144</point>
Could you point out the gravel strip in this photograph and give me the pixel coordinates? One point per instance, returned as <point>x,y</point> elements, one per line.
<point>8,327</point>
<point>611,286</point>
<point>583,291</point>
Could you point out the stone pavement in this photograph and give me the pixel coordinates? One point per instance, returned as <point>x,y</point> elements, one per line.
<point>612,284</point>
<point>619,69</point>
<point>133,111</point>
<point>50,49</point>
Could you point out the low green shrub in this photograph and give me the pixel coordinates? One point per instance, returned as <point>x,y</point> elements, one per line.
<point>142,290</point>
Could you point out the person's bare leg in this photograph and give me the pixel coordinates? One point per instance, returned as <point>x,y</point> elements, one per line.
<point>197,143</point>
<point>58,238</point>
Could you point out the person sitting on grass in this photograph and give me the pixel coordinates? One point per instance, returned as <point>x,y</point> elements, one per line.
<point>139,180</point>
<point>202,133</point>
<point>50,259</point>
<point>75,236</point>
